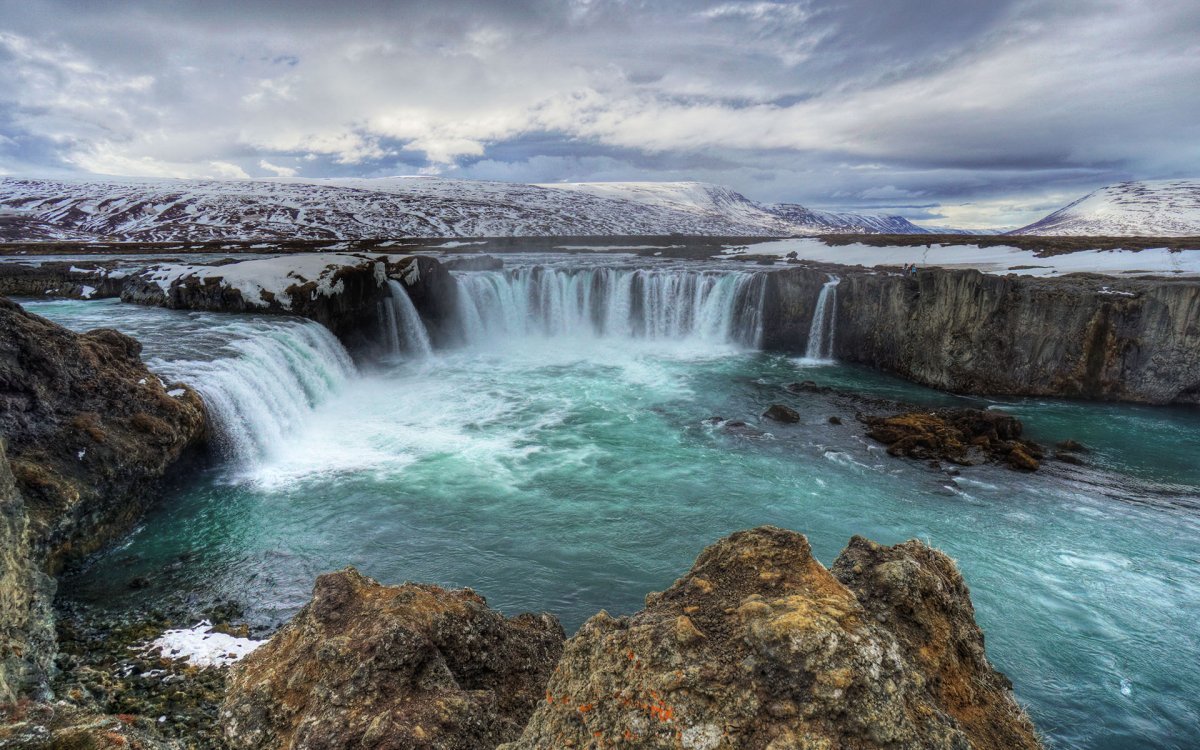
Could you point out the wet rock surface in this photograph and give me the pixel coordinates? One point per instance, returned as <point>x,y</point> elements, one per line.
<point>759,646</point>
<point>90,430</point>
<point>782,413</point>
<point>961,436</point>
<point>366,665</point>
<point>79,280</point>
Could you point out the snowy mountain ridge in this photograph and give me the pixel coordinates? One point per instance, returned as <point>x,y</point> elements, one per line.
<point>166,210</point>
<point>1150,208</point>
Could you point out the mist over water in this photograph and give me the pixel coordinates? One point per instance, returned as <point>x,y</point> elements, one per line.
<point>560,460</point>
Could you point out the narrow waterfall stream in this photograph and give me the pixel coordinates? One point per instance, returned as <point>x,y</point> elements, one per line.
<point>824,324</point>
<point>406,331</point>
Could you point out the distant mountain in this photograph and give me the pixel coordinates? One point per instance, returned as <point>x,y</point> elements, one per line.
<point>1160,208</point>
<point>191,210</point>
<point>828,222</point>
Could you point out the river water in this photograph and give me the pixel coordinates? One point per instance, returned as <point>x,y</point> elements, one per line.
<point>563,459</point>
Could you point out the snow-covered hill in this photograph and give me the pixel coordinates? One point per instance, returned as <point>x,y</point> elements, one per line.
<point>1160,208</point>
<point>823,222</point>
<point>193,210</point>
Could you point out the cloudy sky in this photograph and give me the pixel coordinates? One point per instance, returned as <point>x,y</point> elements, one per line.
<point>950,112</point>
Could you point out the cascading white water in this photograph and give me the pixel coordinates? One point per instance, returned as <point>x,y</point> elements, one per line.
<point>405,330</point>
<point>716,306</point>
<point>824,322</point>
<point>276,376</point>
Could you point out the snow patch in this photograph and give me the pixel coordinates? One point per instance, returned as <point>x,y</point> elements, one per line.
<point>997,260</point>
<point>202,647</point>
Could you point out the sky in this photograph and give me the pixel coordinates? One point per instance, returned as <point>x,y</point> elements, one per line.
<point>949,112</point>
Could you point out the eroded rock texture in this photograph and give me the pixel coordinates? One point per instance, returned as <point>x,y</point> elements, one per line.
<point>90,431</point>
<point>759,647</point>
<point>961,436</point>
<point>412,666</point>
<point>26,626</point>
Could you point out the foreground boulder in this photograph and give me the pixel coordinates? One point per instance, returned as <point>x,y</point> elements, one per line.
<point>365,665</point>
<point>90,431</point>
<point>961,436</point>
<point>759,647</point>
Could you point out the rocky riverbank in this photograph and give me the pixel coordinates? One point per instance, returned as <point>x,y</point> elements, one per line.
<point>88,435</point>
<point>1080,336</point>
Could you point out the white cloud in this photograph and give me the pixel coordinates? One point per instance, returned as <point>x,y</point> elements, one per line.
<point>277,170</point>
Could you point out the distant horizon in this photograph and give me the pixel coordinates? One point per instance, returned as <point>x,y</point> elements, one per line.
<point>924,223</point>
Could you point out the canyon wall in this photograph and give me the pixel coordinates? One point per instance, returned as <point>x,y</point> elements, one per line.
<point>1080,336</point>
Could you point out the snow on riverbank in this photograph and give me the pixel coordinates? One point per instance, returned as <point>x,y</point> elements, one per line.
<point>202,647</point>
<point>265,276</point>
<point>1001,259</point>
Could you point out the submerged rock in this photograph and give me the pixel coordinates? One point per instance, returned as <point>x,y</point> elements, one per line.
<point>90,431</point>
<point>782,413</point>
<point>366,665</point>
<point>961,436</point>
<point>759,647</point>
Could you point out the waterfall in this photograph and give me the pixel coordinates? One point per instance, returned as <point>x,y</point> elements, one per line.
<point>824,322</point>
<point>265,383</point>
<point>718,306</point>
<point>402,323</point>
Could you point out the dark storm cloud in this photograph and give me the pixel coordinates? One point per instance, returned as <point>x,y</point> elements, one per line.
<point>966,112</point>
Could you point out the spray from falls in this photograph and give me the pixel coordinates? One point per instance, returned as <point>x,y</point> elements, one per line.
<point>402,324</point>
<point>824,323</point>
<point>717,306</point>
<point>277,374</point>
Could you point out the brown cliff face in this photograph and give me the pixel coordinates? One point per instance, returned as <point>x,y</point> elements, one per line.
<point>90,431</point>
<point>365,665</point>
<point>968,332</point>
<point>759,647</point>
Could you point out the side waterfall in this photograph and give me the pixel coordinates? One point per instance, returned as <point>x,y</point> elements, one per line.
<point>824,323</point>
<point>406,331</point>
<point>277,373</point>
<point>717,306</point>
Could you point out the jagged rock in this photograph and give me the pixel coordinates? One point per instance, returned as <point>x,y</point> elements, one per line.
<point>26,622</point>
<point>918,594</point>
<point>1071,446</point>
<point>970,332</point>
<point>782,413</point>
<point>961,436</point>
<point>90,431</point>
<point>835,420</point>
<point>365,665</point>
<point>759,647</point>
<point>60,726</point>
